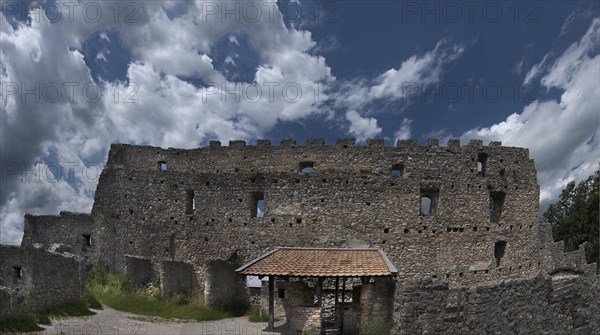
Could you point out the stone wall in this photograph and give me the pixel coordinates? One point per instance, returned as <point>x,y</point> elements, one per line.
<point>377,301</point>
<point>138,270</point>
<point>203,205</point>
<point>538,305</point>
<point>177,278</point>
<point>46,279</point>
<point>224,287</point>
<point>305,319</point>
<point>73,230</point>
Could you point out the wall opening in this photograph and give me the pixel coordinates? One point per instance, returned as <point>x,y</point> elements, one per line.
<point>17,272</point>
<point>429,199</point>
<point>306,167</point>
<point>172,246</point>
<point>190,202</point>
<point>499,250</point>
<point>87,240</point>
<point>258,204</point>
<point>496,205</point>
<point>397,170</point>
<point>481,164</point>
<point>281,293</point>
<point>162,165</point>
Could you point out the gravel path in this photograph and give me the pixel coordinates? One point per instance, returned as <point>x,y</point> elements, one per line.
<point>112,322</point>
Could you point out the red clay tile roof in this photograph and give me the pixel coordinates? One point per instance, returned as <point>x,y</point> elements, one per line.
<point>320,262</point>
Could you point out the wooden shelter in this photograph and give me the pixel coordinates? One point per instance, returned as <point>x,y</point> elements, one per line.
<point>318,263</point>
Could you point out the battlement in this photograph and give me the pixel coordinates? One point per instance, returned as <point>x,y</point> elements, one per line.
<point>429,161</point>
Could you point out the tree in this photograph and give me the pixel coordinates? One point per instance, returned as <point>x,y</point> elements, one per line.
<point>574,218</point>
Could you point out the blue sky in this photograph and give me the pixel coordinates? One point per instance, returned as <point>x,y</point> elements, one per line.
<point>181,73</point>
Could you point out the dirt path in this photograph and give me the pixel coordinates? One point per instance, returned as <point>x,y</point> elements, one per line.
<point>111,322</point>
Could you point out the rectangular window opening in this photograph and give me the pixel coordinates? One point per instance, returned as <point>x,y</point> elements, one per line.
<point>258,205</point>
<point>190,204</point>
<point>429,199</point>
<point>87,240</point>
<point>17,272</point>
<point>481,164</point>
<point>162,165</point>
<point>397,170</point>
<point>496,206</point>
<point>306,167</point>
<point>499,250</point>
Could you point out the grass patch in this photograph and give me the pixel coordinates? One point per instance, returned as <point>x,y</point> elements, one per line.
<point>31,323</point>
<point>116,291</point>
<point>376,328</point>
<point>25,324</point>
<point>254,315</point>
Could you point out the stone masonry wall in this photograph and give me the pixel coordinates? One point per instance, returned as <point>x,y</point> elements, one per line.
<point>73,230</point>
<point>203,205</point>
<point>377,301</point>
<point>139,270</point>
<point>223,287</point>
<point>176,278</point>
<point>528,306</point>
<point>47,279</point>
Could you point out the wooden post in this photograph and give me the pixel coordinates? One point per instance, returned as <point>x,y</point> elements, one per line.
<point>271,326</point>
<point>343,298</point>
<point>335,304</point>
<point>320,299</point>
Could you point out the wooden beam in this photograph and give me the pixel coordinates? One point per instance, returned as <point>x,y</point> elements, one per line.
<point>271,325</point>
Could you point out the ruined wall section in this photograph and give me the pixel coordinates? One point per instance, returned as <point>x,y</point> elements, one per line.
<point>536,305</point>
<point>45,279</point>
<point>72,230</point>
<point>350,197</point>
<point>554,259</point>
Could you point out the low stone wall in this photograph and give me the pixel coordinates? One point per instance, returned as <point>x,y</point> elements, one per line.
<point>223,287</point>
<point>44,279</point>
<point>304,318</point>
<point>540,305</point>
<point>138,270</point>
<point>176,277</point>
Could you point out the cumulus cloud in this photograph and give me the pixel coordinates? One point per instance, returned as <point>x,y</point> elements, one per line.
<point>362,127</point>
<point>155,106</point>
<point>404,132</point>
<point>399,84</point>
<point>563,136</point>
<point>422,70</point>
<point>172,95</point>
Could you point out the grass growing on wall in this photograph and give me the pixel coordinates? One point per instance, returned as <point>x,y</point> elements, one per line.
<point>116,291</point>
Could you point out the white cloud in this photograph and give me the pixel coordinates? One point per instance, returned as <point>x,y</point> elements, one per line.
<point>167,111</point>
<point>563,136</point>
<point>404,132</point>
<point>362,127</point>
<point>399,84</point>
<point>415,70</point>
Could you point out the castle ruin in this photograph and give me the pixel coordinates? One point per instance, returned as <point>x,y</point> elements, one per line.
<point>460,224</point>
